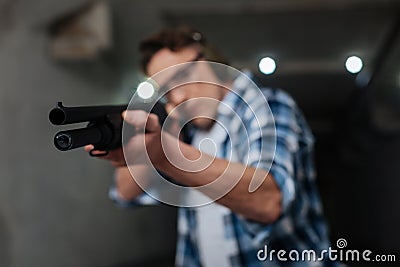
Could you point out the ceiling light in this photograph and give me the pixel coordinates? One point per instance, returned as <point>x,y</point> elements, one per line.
<point>267,65</point>
<point>354,64</point>
<point>145,90</point>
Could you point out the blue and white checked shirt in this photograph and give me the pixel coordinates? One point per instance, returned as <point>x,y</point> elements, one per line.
<point>301,225</point>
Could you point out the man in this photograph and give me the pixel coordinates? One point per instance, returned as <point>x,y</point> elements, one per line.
<point>264,199</point>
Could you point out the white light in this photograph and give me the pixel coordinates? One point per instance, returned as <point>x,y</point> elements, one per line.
<point>145,90</point>
<point>267,65</point>
<point>354,64</point>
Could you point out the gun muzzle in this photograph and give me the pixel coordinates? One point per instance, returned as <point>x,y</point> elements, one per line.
<point>61,115</point>
<point>67,140</point>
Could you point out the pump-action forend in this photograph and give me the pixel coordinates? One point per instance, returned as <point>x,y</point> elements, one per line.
<point>104,129</point>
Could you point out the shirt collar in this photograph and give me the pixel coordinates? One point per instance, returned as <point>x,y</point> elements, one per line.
<point>236,92</point>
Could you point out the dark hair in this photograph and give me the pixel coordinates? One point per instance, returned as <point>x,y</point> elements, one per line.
<point>176,39</point>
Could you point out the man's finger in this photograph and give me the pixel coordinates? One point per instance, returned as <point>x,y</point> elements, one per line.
<point>152,123</point>
<point>141,119</point>
<point>136,118</point>
<point>89,147</point>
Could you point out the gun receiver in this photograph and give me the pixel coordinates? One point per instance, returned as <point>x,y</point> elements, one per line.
<point>104,128</point>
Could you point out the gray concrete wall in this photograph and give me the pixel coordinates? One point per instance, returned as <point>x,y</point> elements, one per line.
<point>54,209</point>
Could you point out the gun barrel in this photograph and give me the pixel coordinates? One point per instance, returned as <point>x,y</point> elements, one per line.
<point>67,140</point>
<point>104,129</point>
<point>61,115</point>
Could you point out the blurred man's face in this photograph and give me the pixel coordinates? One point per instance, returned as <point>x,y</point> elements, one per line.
<point>195,101</point>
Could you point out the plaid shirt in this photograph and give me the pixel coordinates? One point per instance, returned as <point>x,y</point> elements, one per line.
<point>301,225</point>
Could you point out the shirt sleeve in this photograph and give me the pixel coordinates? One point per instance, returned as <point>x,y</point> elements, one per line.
<point>280,132</point>
<point>283,133</point>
